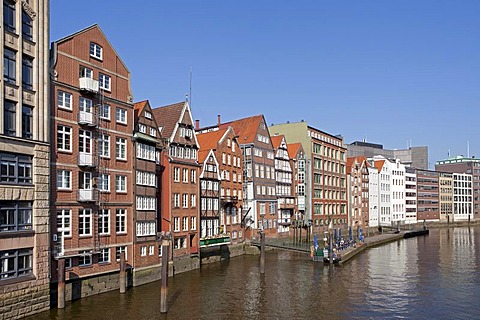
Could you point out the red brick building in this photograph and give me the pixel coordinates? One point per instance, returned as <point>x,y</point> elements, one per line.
<point>222,160</point>
<point>179,186</point>
<point>91,166</point>
<point>357,191</point>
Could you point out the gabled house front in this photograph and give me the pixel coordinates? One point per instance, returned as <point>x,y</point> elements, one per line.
<point>179,191</point>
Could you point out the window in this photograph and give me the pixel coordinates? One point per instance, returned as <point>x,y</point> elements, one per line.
<point>146,203</point>
<point>104,81</point>
<point>104,145</point>
<point>193,200</point>
<point>105,111</point>
<point>64,178</point>
<point>9,15</point>
<point>64,226</point>
<point>85,222</point>
<point>193,223</point>
<point>96,51</point>
<point>185,175</point>
<point>153,132</point>
<point>27,73</point>
<point>104,221</point>
<point>9,66</point>
<point>142,128</point>
<point>104,256</point>
<point>121,183</point>
<point>27,26</point>
<point>143,251</point>
<point>16,263</point>
<point>176,224</point>
<point>185,200</point>
<point>146,228</point>
<point>119,250</point>
<point>85,72</point>
<point>121,221</point>
<point>185,223</point>
<point>15,168</point>
<point>151,250</point>
<point>148,115</point>
<point>121,115</point>
<point>193,176</point>
<point>85,105</point>
<point>121,149</point>
<point>85,141</point>
<point>27,122</point>
<point>64,100</point>
<point>176,174</point>
<point>104,182</point>
<point>15,216</point>
<point>145,151</point>
<point>85,258</point>
<point>10,118</point>
<point>176,200</point>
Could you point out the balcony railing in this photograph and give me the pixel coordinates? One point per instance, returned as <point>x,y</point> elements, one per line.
<point>86,195</point>
<point>214,241</point>
<point>88,84</point>
<point>86,118</point>
<point>85,159</point>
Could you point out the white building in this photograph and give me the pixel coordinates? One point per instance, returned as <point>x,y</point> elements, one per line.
<point>373,202</point>
<point>462,196</point>
<point>410,195</point>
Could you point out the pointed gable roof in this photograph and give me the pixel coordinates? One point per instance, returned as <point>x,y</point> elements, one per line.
<point>209,140</point>
<point>139,107</point>
<point>246,128</point>
<point>168,117</point>
<point>92,27</point>
<point>293,148</point>
<point>379,164</point>
<point>277,141</point>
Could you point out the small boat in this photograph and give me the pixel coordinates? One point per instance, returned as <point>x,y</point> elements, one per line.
<point>335,260</point>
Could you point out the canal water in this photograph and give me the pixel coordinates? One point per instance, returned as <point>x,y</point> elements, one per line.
<point>432,277</point>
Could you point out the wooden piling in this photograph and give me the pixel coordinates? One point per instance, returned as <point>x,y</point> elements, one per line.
<point>61,284</point>
<point>164,283</point>
<point>123,274</point>
<point>262,252</point>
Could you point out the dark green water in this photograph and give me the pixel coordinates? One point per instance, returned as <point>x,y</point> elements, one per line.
<point>432,277</point>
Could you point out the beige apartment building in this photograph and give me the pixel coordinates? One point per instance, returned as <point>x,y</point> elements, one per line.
<point>24,158</point>
<point>446,196</point>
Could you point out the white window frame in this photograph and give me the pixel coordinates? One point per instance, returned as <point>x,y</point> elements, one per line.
<point>119,250</point>
<point>121,115</point>
<point>121,221</point>
<point>66,180</point>
<point>85,104</point>
<point>184,223</point>
<point>66,134</point>
<point>104,144</point>
<point>121,183</point>
<point>121,148</point>
<point>96,51</point>
<point>104,82</point>
<point>143,251</point>
<point>142,128</point>
<point>185,200</point>
<point>148,115</point>
<point>193,223</point>
<point>151,250</point>
<point>103,216</point>
<point>185,175</point>
<point>64,100</point>
<point>103,114</point>
<point>85,217</point>
<point>104,256</point>
<point>82,260</point>
<point>104,182</point>
<point>176,224</point>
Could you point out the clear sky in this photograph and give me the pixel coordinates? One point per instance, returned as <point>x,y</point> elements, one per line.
<point>390,72</point>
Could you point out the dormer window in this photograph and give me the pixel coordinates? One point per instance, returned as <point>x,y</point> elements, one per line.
<point>96,51</point>
<point>148,115</point>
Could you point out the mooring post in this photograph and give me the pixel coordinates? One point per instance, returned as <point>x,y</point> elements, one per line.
<point>330,247</point>
<point>123,274</point>
<point>164,284</point>
<point>262,252</point>
<point>61,284</point>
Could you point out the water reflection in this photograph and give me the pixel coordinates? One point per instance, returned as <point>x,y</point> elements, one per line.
<point>426,277</point>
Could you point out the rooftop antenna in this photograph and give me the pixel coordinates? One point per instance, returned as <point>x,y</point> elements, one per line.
<point>449,153</point>
<point>468,149</point>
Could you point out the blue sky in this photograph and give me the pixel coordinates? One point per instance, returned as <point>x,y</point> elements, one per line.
<point>388,71</point>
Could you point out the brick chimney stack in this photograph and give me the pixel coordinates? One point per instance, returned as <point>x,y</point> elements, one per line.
<point>197,124</point>
<point>218,120</point>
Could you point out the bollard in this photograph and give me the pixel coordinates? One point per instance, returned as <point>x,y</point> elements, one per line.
<point>262,252</point>
<point>330,247</point>
<point>61,284</point>
<point>123,274</point>
<point>164,284</point>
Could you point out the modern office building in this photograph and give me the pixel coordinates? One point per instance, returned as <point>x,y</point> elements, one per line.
<point>24,159</point>
<point>410,195</point>
<point>462,197</point>
<point>445,181</point>
<point>416,157</point>
<point>428,208</point>
<point>468,165</point>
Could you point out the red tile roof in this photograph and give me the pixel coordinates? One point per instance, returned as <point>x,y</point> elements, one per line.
<point>138,108</point>
<point>202,155</point>
<point>379,164</point>
<point>246,128</point>
<point>168,116</point>
<point>293,149</point>
<point>209,140</point>
<point>276,141</point>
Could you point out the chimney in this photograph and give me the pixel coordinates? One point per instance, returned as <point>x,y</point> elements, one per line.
<point>197,124</point>
<point>218,120</point>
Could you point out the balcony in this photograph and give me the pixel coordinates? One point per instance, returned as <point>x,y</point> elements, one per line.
<point>85,160</point>
<point>88,84</point>
<point>214,241</point>
<point>86,118</point>
<point>86,195</point>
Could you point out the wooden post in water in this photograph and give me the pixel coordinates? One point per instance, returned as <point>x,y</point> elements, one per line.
<point>61,284</point>
<point>330,246</point>
<point>262,252</point>
<point>164,284</point>
<point>123,274</point>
